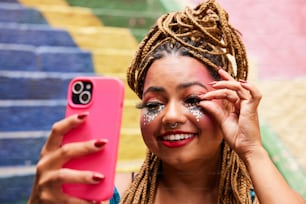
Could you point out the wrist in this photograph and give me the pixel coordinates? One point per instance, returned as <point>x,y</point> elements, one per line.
<point>257,154</point>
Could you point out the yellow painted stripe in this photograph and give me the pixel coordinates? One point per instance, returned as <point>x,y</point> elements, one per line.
<point>66,16</point>
<point>34,3</point>
<point>101,37</point>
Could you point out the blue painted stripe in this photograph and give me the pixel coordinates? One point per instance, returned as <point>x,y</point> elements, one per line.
<point>9,1</point>
<point>22,85</point>
<point>17,151</point>
<point>37,35</point>
<point>42,75</point>
<point>31,103</point>
<point>33,88</point>
<point>63,59</point>
<point>17,57</point>
<point>30,118</point>
<point>15,189</point>
<point>12,11</point>
<point>45,58</point>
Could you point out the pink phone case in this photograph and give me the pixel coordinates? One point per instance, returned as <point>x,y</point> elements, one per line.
<point>103,122</point>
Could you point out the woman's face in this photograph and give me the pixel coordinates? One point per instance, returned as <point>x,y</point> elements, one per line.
<point>171,87</point>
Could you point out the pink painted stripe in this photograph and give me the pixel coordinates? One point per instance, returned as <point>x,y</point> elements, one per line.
<point>274,33</point>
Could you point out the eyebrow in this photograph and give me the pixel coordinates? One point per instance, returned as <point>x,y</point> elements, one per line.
<point>154,89</point>
<point>180,86</point>
<point>189,84</point>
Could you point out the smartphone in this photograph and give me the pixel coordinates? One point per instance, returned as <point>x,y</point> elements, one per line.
<point>103,98</point>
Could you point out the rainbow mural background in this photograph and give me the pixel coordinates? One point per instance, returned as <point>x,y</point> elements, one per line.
<point>44,43</point>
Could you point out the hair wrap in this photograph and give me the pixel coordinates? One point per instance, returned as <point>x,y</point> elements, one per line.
<point>203,30</point>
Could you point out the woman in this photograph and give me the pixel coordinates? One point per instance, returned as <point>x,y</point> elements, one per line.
<point>198,119</point>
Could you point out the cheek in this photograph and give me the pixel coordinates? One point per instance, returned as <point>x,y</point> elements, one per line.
<point>148,138</point>
<point>149,116</point>
<point>206,121</point>
<point>196,112</point>
<point>201,117</point>
<point>147,125</point>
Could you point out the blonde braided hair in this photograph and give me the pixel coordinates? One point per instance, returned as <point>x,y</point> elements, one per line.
<point>234,181</point>
<point>205,34</point>
<point>203,31</point>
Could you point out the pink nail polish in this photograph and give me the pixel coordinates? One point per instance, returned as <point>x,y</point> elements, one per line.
<point>242,81</point>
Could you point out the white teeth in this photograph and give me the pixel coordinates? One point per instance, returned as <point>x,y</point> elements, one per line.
<point>178,137</point>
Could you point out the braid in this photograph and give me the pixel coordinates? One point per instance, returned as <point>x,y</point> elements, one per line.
<point>205,34</point>
<point>143,188</point>
<point>204,31</point>
<point>234,184</point>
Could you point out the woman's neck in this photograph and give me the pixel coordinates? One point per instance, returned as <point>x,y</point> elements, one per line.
<point>198,179</point>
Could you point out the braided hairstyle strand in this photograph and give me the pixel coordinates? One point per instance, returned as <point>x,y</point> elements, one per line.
<point>205,34</point>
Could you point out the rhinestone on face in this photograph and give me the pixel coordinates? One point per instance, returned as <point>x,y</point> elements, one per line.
<point>196,112</point>
<point>149,116</point>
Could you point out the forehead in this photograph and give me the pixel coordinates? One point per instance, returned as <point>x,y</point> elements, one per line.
<point>177,69</point>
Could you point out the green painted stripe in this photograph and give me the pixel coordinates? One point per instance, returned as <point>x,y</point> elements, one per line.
<point>283,160</point>
<point>171,5</point>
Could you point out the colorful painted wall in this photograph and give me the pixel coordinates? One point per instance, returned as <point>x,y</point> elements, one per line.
<point>44,43</point>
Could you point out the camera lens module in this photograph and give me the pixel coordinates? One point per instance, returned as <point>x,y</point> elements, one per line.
<point>77,87</point>
<point>81,92</point>
<point>85,97</point>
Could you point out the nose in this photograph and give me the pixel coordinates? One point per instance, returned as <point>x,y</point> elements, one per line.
<point>173,113</point>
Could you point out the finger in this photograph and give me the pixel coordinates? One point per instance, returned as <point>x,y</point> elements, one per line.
<point>59,129</point>
<point>232,85</point>
<point>221,94</point>
<point>225,94</point>
<point>254,92</point>
<point>60,197</point>
<point>225,75</point>
<point>72,150</point>
<point>65,175</point>
<point>74,200</point>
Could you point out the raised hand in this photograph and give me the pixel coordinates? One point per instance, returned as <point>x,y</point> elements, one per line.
<point>49,173</point>
<point>238,116</point>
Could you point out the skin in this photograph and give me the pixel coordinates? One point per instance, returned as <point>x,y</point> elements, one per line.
<point>184,167</point>
<point>189,171</point>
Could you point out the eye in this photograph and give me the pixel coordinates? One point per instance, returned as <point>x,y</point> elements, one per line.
<point>152,107</point>
<point>192,101</point>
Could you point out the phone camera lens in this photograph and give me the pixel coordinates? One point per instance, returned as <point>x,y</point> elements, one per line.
<point>77,87</point>
<point>85,97</point>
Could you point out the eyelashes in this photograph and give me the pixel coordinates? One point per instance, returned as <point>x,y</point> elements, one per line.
<point>192,101</point>
<point>152,107</point>
<point>155,106</point>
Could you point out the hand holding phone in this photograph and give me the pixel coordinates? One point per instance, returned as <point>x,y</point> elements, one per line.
<point>103,98</point>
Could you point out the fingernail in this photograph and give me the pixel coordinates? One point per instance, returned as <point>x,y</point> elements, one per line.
<point>97,177</point>
<point>81,116</point>
<point>242,81</point>
<point>212,83</point>
<point>221,68</point>
<point>100,143</point>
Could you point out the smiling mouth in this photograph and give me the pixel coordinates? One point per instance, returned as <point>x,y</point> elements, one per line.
<point>177,137</point>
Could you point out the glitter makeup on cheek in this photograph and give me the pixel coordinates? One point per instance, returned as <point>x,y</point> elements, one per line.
<point>196,111</point>
<point>149,115</point>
